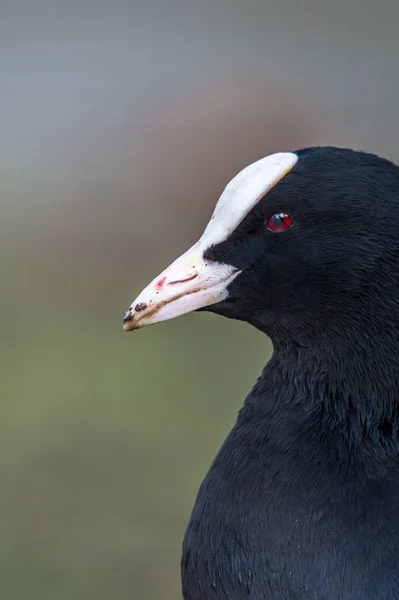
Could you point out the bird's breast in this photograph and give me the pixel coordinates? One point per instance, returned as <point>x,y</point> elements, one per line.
<point>260,531</point>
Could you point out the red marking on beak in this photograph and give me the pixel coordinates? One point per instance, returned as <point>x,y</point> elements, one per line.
<point>159,284</point>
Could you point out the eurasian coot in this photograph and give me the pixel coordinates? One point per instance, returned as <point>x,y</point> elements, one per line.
<point>302,500</point>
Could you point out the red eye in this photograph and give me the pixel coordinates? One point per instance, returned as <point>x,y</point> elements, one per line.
<point>279,222</point>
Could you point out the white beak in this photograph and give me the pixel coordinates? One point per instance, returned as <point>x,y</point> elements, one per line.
<point>189,283</point>
<point>192,282</point>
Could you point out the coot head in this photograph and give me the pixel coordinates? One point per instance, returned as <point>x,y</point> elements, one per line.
<point>302,245</point>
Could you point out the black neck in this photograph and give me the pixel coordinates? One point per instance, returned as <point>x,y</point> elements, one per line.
<point>332,408</point>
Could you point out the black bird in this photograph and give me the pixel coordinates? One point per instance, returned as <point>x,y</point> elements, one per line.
<point>302,500</point>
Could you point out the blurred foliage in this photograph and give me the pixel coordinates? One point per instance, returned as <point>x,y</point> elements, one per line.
<point>105,437</point>
<point>120,125</point>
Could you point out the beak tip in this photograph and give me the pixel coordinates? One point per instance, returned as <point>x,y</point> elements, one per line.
<point>127,320</point>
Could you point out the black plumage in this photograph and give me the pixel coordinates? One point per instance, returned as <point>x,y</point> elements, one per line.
<point>302,500</point>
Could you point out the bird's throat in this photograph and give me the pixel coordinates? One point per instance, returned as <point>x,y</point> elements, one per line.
<point>326,408</point>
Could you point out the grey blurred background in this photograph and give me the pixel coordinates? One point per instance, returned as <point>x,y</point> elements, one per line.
<point>120,124</point>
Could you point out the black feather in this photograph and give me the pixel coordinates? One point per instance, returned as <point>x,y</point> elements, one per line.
<point>302,501</point>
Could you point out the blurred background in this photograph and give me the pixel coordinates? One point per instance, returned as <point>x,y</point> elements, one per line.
<point>121,122</point>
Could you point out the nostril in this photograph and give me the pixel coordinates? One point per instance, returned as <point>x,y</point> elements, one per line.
<point>183,280</point>
<point>128,316</point>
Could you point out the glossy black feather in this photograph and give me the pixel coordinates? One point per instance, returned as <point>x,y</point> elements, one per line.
<point>302,501</point>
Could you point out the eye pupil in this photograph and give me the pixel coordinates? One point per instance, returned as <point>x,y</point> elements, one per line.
<point>279,222</point>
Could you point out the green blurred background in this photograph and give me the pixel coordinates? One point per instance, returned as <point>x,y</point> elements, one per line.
<point>121,122</point>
